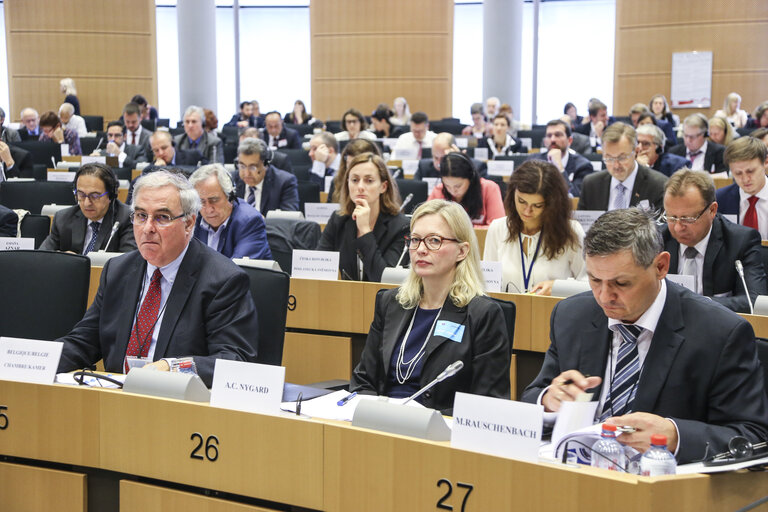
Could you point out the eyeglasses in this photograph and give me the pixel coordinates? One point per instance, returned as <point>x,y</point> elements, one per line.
<point>243,167</point>
<point>431,242</point>
<point>684,220</point>
<point>160,219</point>
<point>93,196</point>
<point>645,143</point>
<point>614,159</point>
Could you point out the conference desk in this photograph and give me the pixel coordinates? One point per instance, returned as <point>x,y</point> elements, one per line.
<point>153,448</point>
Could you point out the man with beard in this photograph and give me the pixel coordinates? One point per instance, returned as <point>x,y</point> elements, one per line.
<point>571,165</point>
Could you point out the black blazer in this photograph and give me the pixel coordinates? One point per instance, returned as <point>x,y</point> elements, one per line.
<point>484,348</point>
<point>280,192</point>
<point>25,135</point>
<point>70,227</point>
<point>288,139</point>
<point>668,164</point>
<point>649,184</point>
<point>22,163</point>
<point>8,222</point>
<point>727,243</point>
<point>378,249</point>
<point>713,156</point>
<point>701,370</point>
<point>209,314</point>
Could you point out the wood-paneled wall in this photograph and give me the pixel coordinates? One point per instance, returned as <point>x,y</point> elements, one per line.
<point>107,47</point>
<point>365,52</point>
<point>649,31</point>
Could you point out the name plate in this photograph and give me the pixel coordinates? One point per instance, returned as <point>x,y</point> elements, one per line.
<point>683,280</point>
<point>93,160</point>
<point>327,180</point>
<point>315,264</point>
<point>407,153</point>
<point>389,142</point>
<point>527,142</point>
<point>320,212</point>
<point>481,153</point>
<point>61,176</point>
<point>410,166</point>
<point>8,243</point>
<point>249,387</point>
<point>492,275</point>
<point>431,184</point>
<point>497,427</point>
<point>586,217</point>
<point>597,165</point>
<point>462,142</point>
<point>23,360</point>
<point>501,167</point>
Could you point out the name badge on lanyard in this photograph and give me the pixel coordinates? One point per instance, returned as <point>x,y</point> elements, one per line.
<point>527,276</point>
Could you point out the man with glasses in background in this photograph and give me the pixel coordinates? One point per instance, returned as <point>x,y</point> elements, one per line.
<point>260,183</point>
<point>625,183</point>
<point>704,245</point>
<point>701,154</point>
<point>173,304</point>
<point>98,220</point>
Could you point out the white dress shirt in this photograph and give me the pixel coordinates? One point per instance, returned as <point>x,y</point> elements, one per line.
<point>701,248</point>
<point>77,125</point>
<point>697,163</point>
<point>129,135</point>
<point>762,209</point>
<point>408,141</point>
<point>629,183</point>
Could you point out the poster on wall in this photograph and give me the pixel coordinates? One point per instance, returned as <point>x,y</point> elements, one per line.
<point>691,80</point>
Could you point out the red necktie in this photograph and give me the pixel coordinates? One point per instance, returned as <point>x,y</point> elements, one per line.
<point>133,136</point>
<point>141,335</point>
<point>420,146</point>
<point>750,218</point>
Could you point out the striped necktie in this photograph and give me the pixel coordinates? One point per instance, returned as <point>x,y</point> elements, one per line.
<point>620,201</point>
<point>95,234</point>
<point>627,372</point>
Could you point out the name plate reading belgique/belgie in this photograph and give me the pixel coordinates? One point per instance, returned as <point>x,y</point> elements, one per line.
<point>23,360</point>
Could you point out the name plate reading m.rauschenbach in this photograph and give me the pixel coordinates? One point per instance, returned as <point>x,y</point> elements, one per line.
<point>249,387</point>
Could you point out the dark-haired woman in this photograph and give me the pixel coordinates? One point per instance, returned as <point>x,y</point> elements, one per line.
<point>459,182</point>
<point>538,241</point>
<point>299,114</point>
<point>354,126</point>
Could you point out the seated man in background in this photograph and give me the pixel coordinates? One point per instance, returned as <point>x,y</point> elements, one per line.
<point>651,142</point>
<point>196,138</point>
<point>174,297</point>
<point>136,134</point>
<point>279,159</point>
<point>244,118</point>
<point>598,122</point>
<point>16,162</point>
<point>688,367</point>
<point>444,143</point>
<point>324,153</point>
<point>701,154</point>
<point>418,138</point>
<point>277,135</point>
<point>9,222</point>
<point>166,154</point>
<point>7,134</point>
<point>571,165</point>
<point>260,183</point>
<point>748,197</point>
<point>50,125</point>
<point>127,154</point>
<point>71,120</point>
<point>705,245</point>
<point>226,223</point>
<point>98,221</point>
<point>31,129</point>
<point>625,183</point>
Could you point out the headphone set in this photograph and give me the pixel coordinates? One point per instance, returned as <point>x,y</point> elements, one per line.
<point>462,156</point>
<point>266,153</point>
<point>106,175</point>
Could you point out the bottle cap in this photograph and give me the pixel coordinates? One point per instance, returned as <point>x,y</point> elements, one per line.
<point>609,427</point>
<point>659,439</point>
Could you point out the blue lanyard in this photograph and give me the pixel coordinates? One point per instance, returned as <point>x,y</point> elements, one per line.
<point>527,277</point>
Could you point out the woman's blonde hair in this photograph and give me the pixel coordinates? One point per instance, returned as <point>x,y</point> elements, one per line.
<point>468,281</point>
<point>727,103</point>
<point>69,86</point>
<point>725,126</point>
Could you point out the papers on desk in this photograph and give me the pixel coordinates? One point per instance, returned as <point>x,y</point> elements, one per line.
<point>327,408</point>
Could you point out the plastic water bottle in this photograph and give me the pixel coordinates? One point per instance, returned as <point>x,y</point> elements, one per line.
<point>607,453</point>
<point>658,460</point>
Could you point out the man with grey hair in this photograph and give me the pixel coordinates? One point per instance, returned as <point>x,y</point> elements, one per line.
<point>7,134</point>
<point>31,121</point>
<point>196,138</point>
<point>260,183</point>
<point>655,356</point>
<point>173,298</point>
<point>651,142</point>
<point>71,120</point>
<point>702,154</point>
<point>625,183</point>
<point>227,224</point>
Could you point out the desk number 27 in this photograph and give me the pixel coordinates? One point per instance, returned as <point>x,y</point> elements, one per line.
<point>441,502</point>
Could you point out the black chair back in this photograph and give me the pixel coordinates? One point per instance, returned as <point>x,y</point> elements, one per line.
<point>44,293</point>
<point>508,308</point>
<point>230,153</point>
<point>88,144</point>
<point>42,152</point>
<point>40,172</point>
<point>94,123</point>
<point>285,235</point>
<point>446,126</point>
<point>37,227</point>
<point>149,124</point>
<point>269,289</point>
<point>161,121</point>
<point>762,355</point>
<point>303,129</point>
<point>309,192</point>
<point>230,134</point>
<point>333,126</point>
<point>297,156</point>
<point>33,195</point>
<point>302,173</point>
<point>418,188</point>
<point>499,180</point>
<point>536,136</point>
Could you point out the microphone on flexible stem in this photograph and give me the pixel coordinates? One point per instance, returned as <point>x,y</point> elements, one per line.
<point>402,255</point>
<point>397,173</point>
<point>114,230</point>
<point>740,270</point>
<point>53,161</point>
<point>408,199</point>
<point>450,371</point>
<point>99,144</point>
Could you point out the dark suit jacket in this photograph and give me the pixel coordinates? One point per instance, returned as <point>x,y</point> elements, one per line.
<point>727,243</point>
<point>586,128</point>
<point>244,236</point>
<point>22,163</point>
<point>210,146</point>
<point>143,144</point>
<point>184,160</point>
<point>25,135</point>
<point>581,143</point>
<point>575,171</point>
<point>70,227</point>
<point>209,314</point>
<point>8,222</point>
<point>427,169</point>
<point>484,349</point>
<point>9,135</point>
<point>288,139</point>
<point>280,192</point>
<point>649,184</point>
<point>728,200</point>
<point>131,154</point>
<point>237,118</point>
<point>668,163</point>
<point>378,249</point>
<point>701,370</point>
<point>713,156</point>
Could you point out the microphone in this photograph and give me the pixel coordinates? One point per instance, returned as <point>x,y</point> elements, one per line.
<point>402,255</point>
<point>214,154</point>
<point>114,230</point>
<point>405,203</point>
<point>450,371</point>
<point>740,270</point>
<point>396,174</point>
<point>99,144</point>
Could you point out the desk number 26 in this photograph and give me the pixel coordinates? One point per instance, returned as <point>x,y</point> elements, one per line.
<point>441,502</point>
<point>3,417</point>
<point>211,447</point>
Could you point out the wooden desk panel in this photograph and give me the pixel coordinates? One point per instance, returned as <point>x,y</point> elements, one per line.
<point>270,457</point>
<point>50,423</point>
<point>93,286</point>
<point>32,488</point>
<point>136,497</point>
<point>312,358</point>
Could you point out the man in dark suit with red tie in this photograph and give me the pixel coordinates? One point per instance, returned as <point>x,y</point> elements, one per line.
<point>747,199</point>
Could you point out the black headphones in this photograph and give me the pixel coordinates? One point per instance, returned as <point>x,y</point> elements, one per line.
<point>232,196</point>
<point>104,173</point>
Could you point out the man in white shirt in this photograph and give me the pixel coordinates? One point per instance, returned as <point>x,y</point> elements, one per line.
<point>71,120</point>
<point>324,152</point>
<point>748,197</point>
<point>409,145</point>
<point>136,135</point>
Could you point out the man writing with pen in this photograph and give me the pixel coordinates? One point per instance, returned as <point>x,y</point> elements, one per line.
<point>658,358</point>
